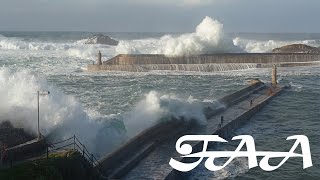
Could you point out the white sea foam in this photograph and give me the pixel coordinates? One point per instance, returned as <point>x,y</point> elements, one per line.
<point>127,47</point>
<point>83,52</point>
<point>235,168</point>
<point>19,44</point>
<point>138,46</point>
<point>75,49</point>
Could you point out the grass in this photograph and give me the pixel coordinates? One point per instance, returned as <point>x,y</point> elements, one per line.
<point>59,166</point>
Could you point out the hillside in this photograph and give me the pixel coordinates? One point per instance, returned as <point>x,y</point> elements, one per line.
<point>297,48</point>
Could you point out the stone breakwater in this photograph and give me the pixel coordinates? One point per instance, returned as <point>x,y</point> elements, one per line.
<point>151,150</point>
<point>204,63</point>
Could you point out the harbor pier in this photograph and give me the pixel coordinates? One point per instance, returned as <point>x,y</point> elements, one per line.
<point>151,150</point>
<point>203,63</point>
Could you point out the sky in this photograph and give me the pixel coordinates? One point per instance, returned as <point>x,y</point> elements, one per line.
<point>293,16</point>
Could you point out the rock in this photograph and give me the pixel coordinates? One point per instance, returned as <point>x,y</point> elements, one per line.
<point>254,81</point>
<point>102,39</point>
<point>11,136</point>
<point>296,48</point>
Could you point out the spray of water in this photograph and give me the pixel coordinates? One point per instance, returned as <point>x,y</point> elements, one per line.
<point>61,116</point>
<point>156,107</point>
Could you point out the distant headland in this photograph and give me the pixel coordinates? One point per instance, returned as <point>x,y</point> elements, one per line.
<point>102,39</point>
<point>297,48</point>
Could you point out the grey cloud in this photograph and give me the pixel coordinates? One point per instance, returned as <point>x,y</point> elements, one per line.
<point>159,15</point>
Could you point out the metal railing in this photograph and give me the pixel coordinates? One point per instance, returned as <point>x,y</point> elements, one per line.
<point>73,143</point>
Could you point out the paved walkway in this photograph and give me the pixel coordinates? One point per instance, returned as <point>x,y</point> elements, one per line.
<point>156,164</point>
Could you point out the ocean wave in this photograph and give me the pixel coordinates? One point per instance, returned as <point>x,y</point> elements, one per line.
<point>207,38</point>
<point>155,107</point>
<point>237,167</point>
<point>20,44</point>
<point>83,53</point>
<point>61,116</point>
<point>14,43</point>
<point>139,46</point>
<point>191,44</point>
<point>75,49</point>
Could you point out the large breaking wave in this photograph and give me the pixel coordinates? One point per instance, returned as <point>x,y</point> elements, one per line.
<point>62,116</point>
<point>207,38</point>
<point>156,106</point>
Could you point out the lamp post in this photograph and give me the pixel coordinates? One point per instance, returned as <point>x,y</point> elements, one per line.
<point>42,93</point>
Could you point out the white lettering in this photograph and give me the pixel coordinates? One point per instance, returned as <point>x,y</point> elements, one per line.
<point>185,150</point>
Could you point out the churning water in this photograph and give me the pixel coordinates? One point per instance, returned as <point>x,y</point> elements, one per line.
<point>106,109</point>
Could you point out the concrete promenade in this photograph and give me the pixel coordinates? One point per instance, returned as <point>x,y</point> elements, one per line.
<point>234,118</point>
<point>143,59</point>
<point>151,150</point>
<point>156,164</point>
<point>203,63</point>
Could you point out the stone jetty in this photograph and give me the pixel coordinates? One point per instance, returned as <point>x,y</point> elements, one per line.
<point>151,150</point>
<point>204,63</point>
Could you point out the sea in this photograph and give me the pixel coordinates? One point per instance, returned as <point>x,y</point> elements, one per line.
<point>106,109</point>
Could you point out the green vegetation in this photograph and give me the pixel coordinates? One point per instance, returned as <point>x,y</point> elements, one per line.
<point>59,166</point>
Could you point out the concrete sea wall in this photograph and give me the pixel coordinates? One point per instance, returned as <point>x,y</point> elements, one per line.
<point>26,150</point>
<point>122,160</point>
<point>142,59</point>
<point>225,131</point>
<point>204,63</point>
<point>173,67</point>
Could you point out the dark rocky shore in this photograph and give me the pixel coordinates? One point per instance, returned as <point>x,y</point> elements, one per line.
<point>11,136</point>
<point>102,39</point>
<point>297,48</point>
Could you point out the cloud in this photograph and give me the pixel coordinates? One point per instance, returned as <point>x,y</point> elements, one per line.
<point>159,15</point>
<point>196,2</point>
<point>179,3</point>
